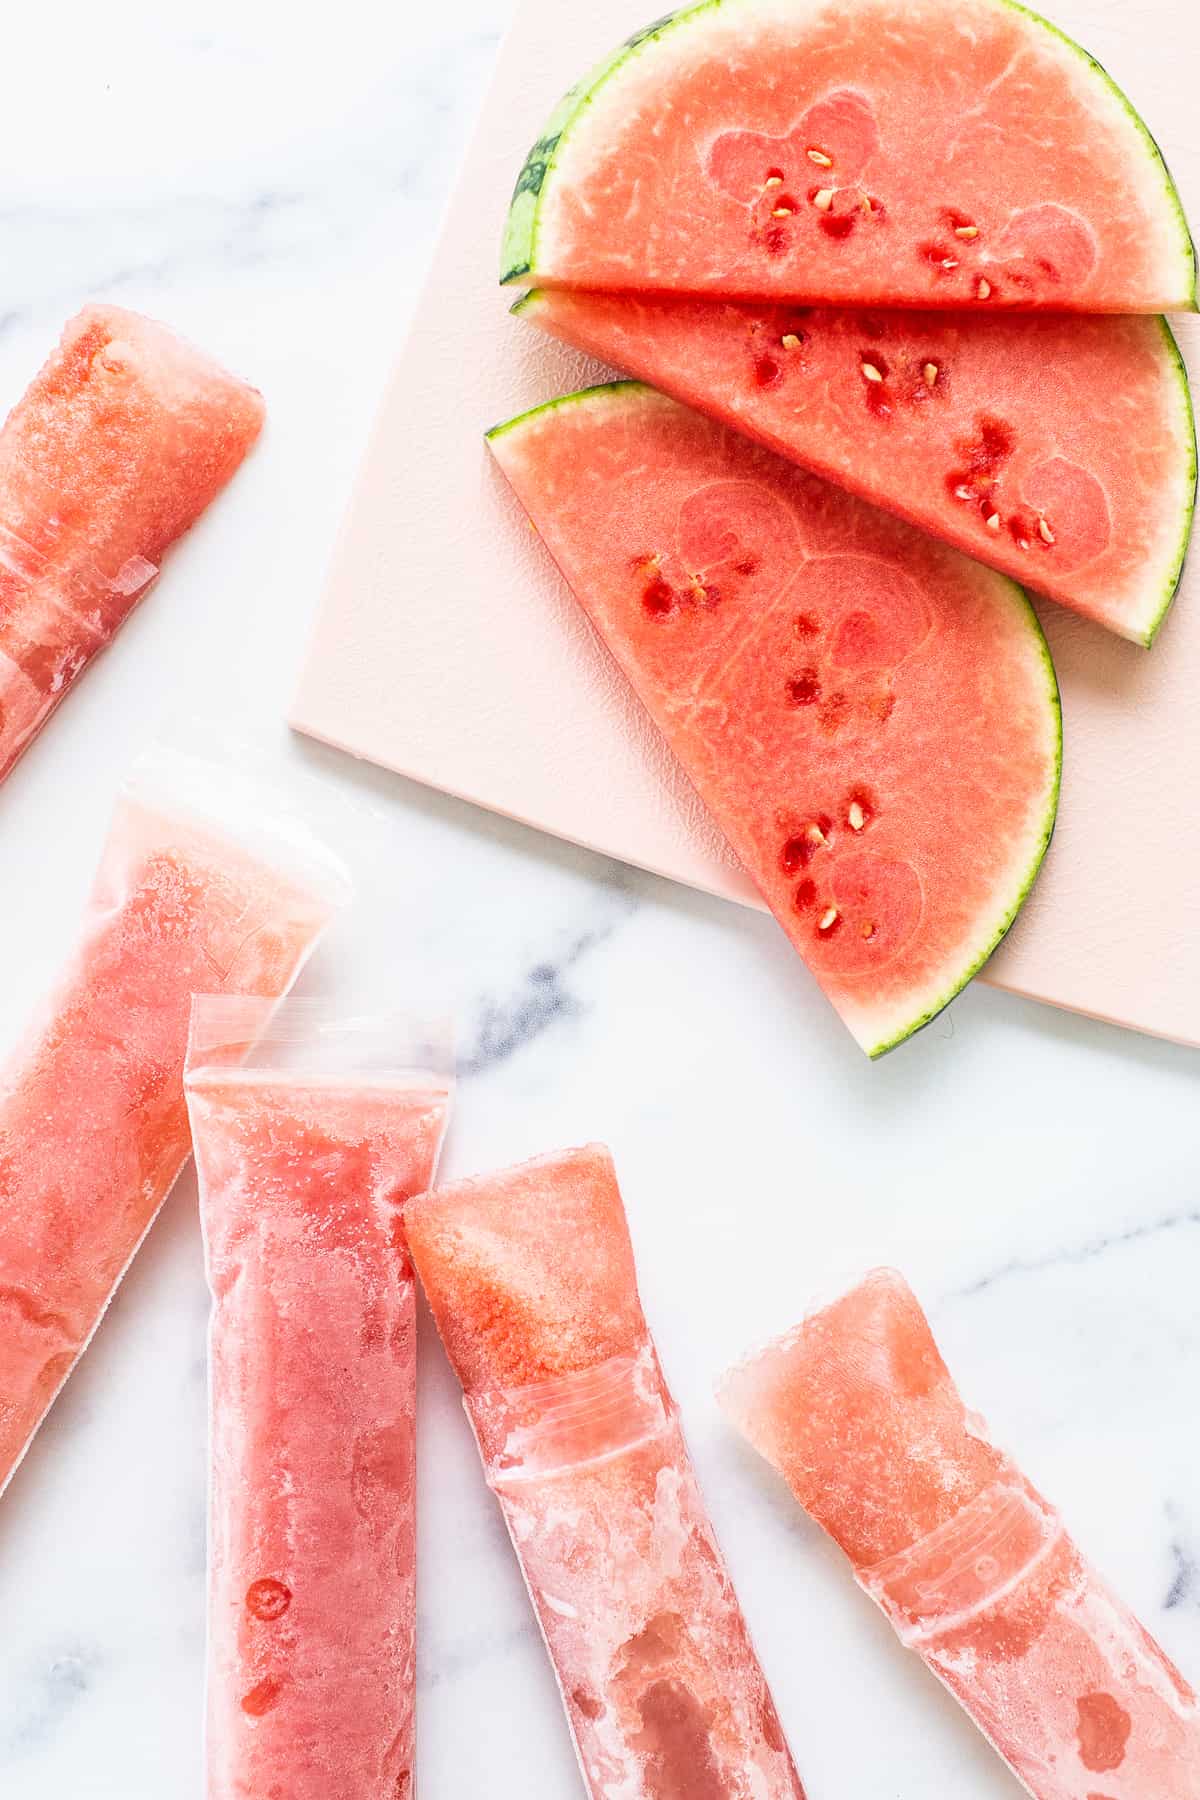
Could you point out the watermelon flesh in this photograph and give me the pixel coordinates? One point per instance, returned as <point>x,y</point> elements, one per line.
<point>122,440</point>
<point>531,1279</point>
<point>312,1564</point>
<point>871,719</point>
<point>956,153</point>
<point>1060,450</point>
<point>857,1411</point>
<point>93,1125</point>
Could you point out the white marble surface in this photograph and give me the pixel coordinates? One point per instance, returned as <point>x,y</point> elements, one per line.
<point>274,193</point>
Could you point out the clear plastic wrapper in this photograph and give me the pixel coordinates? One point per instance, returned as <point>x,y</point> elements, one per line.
<point>311,1131</point>
<point>116,448</point>
<point>973,1568</point>
<point>531,1279</point>
<point>200,886</point>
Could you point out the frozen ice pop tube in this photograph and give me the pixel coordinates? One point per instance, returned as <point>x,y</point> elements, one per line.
<point>93,1123</point>
<point>531,1278</point>
<point>306,1153</point>
<point>116,448</point>
<point>858,1412</point>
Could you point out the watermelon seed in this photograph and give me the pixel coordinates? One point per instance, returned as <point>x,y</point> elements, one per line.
<point>930,372</point>
<point>774,179</point>
<point>828,919</point>
<point>814,834</point>
<point>823,199</point>
<point>966,231</point>
<point>984,289</point>
<point>1044,532</point>
<point>782,212</point>
<point>949,262</point>
<point>856,818</point>
<point>790,341</point>
<point>993,521</point>
<point>963,492</point>
<point>819,157</point>
<point>870,371</point>
<point>867,929</point>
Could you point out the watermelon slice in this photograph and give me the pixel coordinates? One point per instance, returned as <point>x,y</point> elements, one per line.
<point>871,719</point>
<point>975,1571</point>
<point>115,450</point>
<point>1060,450</point>
<point>945,153</point>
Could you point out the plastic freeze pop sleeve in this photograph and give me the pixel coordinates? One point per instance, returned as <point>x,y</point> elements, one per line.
<point>115,449</point>
<point>531,1279</point>
<point>858,1412</point>
<point>198,888</point>
<point>306,1153</point>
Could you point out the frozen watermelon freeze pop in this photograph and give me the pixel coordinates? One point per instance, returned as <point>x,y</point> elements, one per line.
<point>306,1153</point>
<point>1058,449</point>
<point>957,153</point>
<point>871,719</point>
<point>531,1278</point>
<point>857,1411</point>
<point>93,1123</point>
<point>117,447</point>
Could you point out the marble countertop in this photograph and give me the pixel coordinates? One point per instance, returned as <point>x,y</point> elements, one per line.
<point>275,195</point>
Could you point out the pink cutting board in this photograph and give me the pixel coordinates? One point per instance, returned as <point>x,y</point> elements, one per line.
<point>448,648</point>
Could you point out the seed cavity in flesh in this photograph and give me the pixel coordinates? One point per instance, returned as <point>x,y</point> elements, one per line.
<point>804,896</point>
<point>767,372</point>
<point>819,157</point>
<point>855,817</point>
<point>805,625</point>
<point>823,199</point>
<point>804,689</point>
<point>930,374</point>
<point>828,919</point>
<point>1044,532</point>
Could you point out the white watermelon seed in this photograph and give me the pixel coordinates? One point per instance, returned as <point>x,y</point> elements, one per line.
<point>966,231</point>
<point>856,818</point>
<point>819,157</point>
<point>949,262</point>
<point>993,522</point>
<point>984,288</point>
<point>930,372</point>
<point>871,372</point>
<point>1044,532</point>
<point>963,492</point>
<point>790,341</point>
<point>773,181</point>
<point>781,212</point>
<point>868,930</point>
<point>814,834</point>
<point>828,919</point>
<point>823,199</point>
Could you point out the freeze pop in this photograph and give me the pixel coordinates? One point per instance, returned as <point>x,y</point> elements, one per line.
<point>116,448</point>
<point>305,1156</point>
<point>93,1124</point>
<point>858,1412</point>
<point>531,1278</point>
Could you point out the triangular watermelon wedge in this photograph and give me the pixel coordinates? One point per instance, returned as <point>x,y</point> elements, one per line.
<point>870,718</point>
<point>1059,449</point>
<point>949,153</point>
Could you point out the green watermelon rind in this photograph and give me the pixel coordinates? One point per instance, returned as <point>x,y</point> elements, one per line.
<point>611,390</point>
<point>518,257</point>
<point>1175,572</point>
